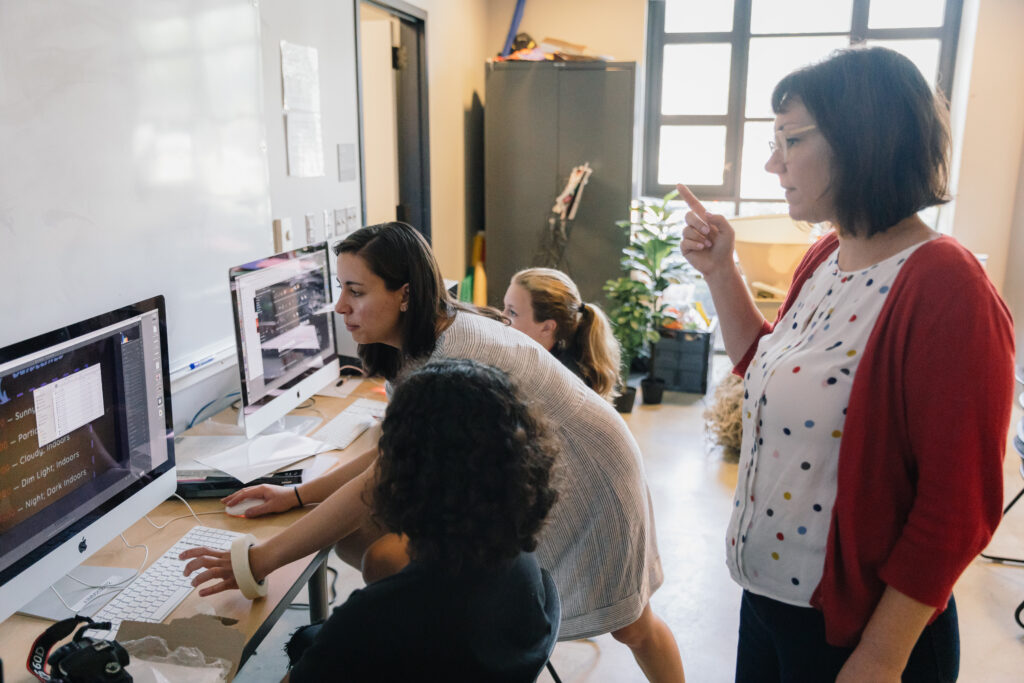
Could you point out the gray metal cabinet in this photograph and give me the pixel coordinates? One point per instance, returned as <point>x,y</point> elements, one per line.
<point>540,120</point>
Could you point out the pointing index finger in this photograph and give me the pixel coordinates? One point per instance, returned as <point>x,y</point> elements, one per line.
<point>692,201</point>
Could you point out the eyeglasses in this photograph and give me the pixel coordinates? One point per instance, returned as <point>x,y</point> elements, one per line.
<point>779,143</point>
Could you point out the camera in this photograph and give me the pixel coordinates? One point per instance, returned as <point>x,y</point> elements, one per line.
<point>85,660</point>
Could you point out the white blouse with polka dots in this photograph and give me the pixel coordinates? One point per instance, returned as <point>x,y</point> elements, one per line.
<point>797,387</point>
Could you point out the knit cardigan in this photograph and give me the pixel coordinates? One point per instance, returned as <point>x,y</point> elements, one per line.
<point>919,489</point>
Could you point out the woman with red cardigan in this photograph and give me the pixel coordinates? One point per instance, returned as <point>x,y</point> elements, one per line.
<point>876,405</point>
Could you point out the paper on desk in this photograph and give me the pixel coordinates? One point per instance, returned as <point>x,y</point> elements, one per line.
<point>346,388</point>
<point>263,455</point>
<point>189,449</point>
<point>320,464</point>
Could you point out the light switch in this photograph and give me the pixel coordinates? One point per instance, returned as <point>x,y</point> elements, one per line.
<point>310,229</point>
<point>283,240</point>
<point>328,225</point>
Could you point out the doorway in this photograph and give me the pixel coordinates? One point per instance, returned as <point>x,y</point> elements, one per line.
<point>392,86</point>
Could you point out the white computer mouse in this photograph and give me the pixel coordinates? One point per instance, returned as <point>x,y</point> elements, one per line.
<point>238,509</point>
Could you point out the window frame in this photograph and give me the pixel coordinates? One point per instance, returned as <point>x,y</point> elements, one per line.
<point>735,118</point>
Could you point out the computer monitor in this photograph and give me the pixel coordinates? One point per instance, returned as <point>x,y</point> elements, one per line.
<point>86,443</point>
<point>284,329</point>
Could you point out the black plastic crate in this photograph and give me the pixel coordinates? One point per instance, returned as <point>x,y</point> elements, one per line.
<point>683,359</point>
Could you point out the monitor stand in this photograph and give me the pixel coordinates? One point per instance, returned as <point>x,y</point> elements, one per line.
<point>189,449</point>
<point>299,425</point>
<point>79,594</point>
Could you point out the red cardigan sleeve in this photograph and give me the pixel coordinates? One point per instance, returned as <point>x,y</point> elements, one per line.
<point>920,463</point>
<point>956,348</point>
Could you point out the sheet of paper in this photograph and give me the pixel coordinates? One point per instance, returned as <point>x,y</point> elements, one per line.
<point>300,71</point>
<point>305,142</point>
<point>319,465</point>
<point>188,449</point>
<point>264,454</point>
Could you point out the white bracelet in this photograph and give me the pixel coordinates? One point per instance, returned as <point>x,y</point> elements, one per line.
<point>243,572</point>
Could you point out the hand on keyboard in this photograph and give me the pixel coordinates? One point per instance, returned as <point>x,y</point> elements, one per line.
<point>215,565</point>
<point>157,591</point>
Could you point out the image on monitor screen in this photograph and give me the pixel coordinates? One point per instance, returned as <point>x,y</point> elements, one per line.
<point>85,436</point>
<point>284,329</point>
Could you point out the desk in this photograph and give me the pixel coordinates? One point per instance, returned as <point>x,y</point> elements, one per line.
<point>254,618</point>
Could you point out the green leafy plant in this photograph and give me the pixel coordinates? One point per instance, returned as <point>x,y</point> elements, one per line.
<point>650,263</point>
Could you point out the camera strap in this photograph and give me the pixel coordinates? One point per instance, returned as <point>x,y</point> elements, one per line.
<point>51,636</point>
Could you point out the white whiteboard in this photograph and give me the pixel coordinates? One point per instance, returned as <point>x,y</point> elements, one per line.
<point>132,162</point>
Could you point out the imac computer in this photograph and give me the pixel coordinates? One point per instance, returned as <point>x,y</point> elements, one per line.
<point>85,443</point>
<point>284,329</point>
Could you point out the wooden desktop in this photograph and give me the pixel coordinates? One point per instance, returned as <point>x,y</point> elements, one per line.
<point>254,618</point>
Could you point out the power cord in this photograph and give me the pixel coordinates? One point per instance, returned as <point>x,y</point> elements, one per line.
<point>114,587</point>
<point>123,583</point>
<point>200,411</point>
<point>192,513</point>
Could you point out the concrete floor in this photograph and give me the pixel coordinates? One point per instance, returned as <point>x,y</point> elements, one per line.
<point>691,485</point>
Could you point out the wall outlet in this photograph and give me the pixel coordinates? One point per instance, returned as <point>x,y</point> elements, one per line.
<point>340,224</point>
<point>352,218</point>
<point>283,240</point>
<point>328,225</point>
<point>310,229</point>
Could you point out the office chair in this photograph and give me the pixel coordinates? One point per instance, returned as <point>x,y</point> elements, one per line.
<point>553,609</point>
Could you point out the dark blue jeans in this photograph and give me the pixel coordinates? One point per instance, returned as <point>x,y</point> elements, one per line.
<point>786,644</point>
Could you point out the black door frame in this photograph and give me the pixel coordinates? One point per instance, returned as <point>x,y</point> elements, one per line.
<point>412,117</point>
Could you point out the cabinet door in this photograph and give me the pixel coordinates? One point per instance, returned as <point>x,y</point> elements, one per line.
<point>520,167</point>
<point>595,125</point>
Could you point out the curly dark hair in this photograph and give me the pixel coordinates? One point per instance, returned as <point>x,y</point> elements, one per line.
<point>465,467</point>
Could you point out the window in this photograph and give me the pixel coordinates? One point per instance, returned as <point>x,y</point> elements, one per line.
<point>711,68</point>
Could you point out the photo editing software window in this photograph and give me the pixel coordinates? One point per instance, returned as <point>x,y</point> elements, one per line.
<point>285,321</point>
<point>77,427</point>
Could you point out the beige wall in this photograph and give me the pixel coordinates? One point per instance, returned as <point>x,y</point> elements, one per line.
<point>455,71</point>
<point>612,28</point>
<point>1013,286</point>
<point>988,126</point>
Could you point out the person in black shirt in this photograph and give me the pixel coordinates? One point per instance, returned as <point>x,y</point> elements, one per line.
<point>465,476</point>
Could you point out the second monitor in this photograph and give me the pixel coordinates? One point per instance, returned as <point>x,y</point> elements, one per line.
<point>284,330</point>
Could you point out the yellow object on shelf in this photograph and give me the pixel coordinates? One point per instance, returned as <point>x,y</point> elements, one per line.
<point>703,314</point>
<point>479,285</point>
<point>479,276</point>
<point>478,248</point>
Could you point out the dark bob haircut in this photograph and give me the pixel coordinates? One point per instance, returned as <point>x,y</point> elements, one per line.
<point>888,131</point>
<point>465,467</point>
<point>398,254</point>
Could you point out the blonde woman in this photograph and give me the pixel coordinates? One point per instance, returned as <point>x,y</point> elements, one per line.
<point>545,304</point>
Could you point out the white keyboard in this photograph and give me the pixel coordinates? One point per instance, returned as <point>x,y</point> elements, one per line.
<point>344,428</point>
<point>162,587</point>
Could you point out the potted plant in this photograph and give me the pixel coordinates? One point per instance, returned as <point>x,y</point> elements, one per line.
<point>650,263</point>
<point>629,319</point>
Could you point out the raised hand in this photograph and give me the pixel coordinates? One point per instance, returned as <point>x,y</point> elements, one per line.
<point>708,239</point>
